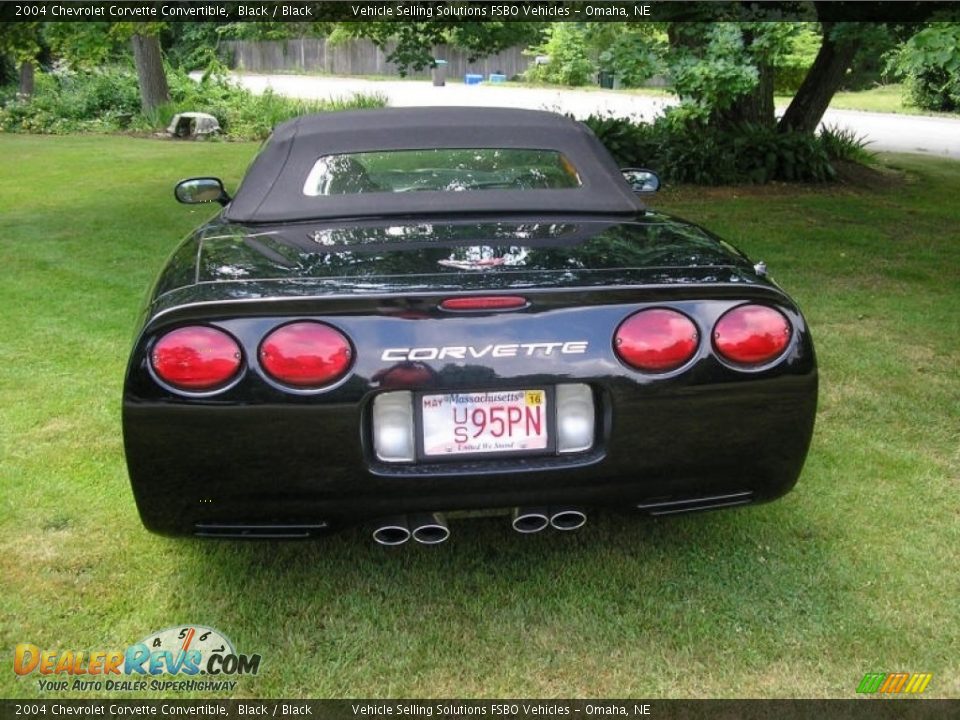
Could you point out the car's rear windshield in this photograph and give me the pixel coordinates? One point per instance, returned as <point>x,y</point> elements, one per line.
<point>440,169</point>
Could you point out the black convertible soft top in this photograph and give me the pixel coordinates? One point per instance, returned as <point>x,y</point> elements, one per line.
<point>272,190</point>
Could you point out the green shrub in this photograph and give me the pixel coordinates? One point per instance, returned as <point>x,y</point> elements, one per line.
<point>702,155</point>
<point>929,63</point>
<point>108,100</point>
<point>570,64</point>
<point>844,144</point>
<point>633,58</point>
<point>630,143</point>
<point>101,100</point>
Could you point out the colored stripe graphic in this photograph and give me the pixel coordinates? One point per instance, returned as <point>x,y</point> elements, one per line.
<point>893,683</point>
<point>918,682</point>
<point>871,682</point>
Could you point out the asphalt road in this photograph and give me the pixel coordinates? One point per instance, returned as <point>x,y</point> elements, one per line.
<point>885,131</point>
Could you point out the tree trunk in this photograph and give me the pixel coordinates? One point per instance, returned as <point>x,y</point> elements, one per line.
<point>756,106</point>
<point>678,37</point>
<point>150,73</point>
<point>26,78</point>
<point>821,83</point>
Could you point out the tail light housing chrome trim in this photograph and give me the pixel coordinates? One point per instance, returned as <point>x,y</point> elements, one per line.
<point>752,335</point>
<point>656,340</point>
<point>306,355</point>
<point>196,359</point>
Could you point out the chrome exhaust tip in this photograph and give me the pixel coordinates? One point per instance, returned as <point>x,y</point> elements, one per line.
<point>530,520</point>
<point>392,531</point>
<point>429,528</point>
<point>567,518</point>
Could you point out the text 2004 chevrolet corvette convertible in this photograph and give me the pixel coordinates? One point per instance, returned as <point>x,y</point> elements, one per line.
<point>408,313</point>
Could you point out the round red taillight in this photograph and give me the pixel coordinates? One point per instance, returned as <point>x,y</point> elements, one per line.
<point>751,334</point>
<point>305,354</point>
<point>196,358</point>
<point>656,340</point>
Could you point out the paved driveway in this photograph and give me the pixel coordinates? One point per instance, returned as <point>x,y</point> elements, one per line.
<point>896,133</point>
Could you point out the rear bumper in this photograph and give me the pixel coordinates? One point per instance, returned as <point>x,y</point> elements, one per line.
<point>309,466</point>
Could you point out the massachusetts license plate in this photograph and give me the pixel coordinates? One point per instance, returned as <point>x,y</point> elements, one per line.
<point>484,422</point>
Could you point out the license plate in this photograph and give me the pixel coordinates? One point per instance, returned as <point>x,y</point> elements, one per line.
<point>484,422</point>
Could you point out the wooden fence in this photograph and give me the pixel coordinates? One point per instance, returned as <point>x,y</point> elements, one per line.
<point>359,56</point>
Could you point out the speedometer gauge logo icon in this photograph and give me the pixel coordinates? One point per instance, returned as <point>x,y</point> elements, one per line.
<point>184,638</point>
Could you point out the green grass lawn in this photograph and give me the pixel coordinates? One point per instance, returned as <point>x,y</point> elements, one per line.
<point>853,572</point>
<point>887,99</point>
<point>883,98</point>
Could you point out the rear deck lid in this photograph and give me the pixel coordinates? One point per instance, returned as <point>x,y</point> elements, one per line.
<point>473,253</point>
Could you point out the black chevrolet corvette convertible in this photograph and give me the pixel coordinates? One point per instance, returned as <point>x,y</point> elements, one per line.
<point>408,315</point>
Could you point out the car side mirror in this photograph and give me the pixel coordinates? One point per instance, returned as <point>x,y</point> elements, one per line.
<point>201,190</point>
<point>641,180</point>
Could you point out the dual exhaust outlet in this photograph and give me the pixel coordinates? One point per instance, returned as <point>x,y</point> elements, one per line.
<point>533,520</point>
<point>432,529</point>
<point>424,528</point>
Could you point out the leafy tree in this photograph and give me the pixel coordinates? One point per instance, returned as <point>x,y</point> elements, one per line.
<point>566,46</point>
<point>20,42</point>
<point>144,38</point>
<point>838,47</point>
<point>725,73</point>
<point>870,65</point>
<point>154,89</point>
<point>91,44</point>
<point>634,52</point>
<point>710,68</point>
<point>792,65</point>
<point>86,44</point>
<point>930,64</point>
<point>193,45</point>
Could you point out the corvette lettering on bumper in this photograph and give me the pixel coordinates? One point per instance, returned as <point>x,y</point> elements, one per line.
<point>464,352</point>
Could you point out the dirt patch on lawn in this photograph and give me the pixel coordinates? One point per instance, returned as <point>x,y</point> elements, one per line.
<point>869,177</point>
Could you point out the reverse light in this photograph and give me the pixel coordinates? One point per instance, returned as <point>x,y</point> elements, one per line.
<point>486,302</point>
<point>306,354</point>
<point>575,417</point>
<point>393,426</point>
<point>197,358</point>
<point>656,340</point>
<point>751,334</point>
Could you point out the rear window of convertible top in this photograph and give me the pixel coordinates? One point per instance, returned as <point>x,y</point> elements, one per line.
<point>440,169</point>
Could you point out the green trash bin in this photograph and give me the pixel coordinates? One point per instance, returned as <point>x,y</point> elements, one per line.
<point>605,79</point>
<point>439,73</point>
